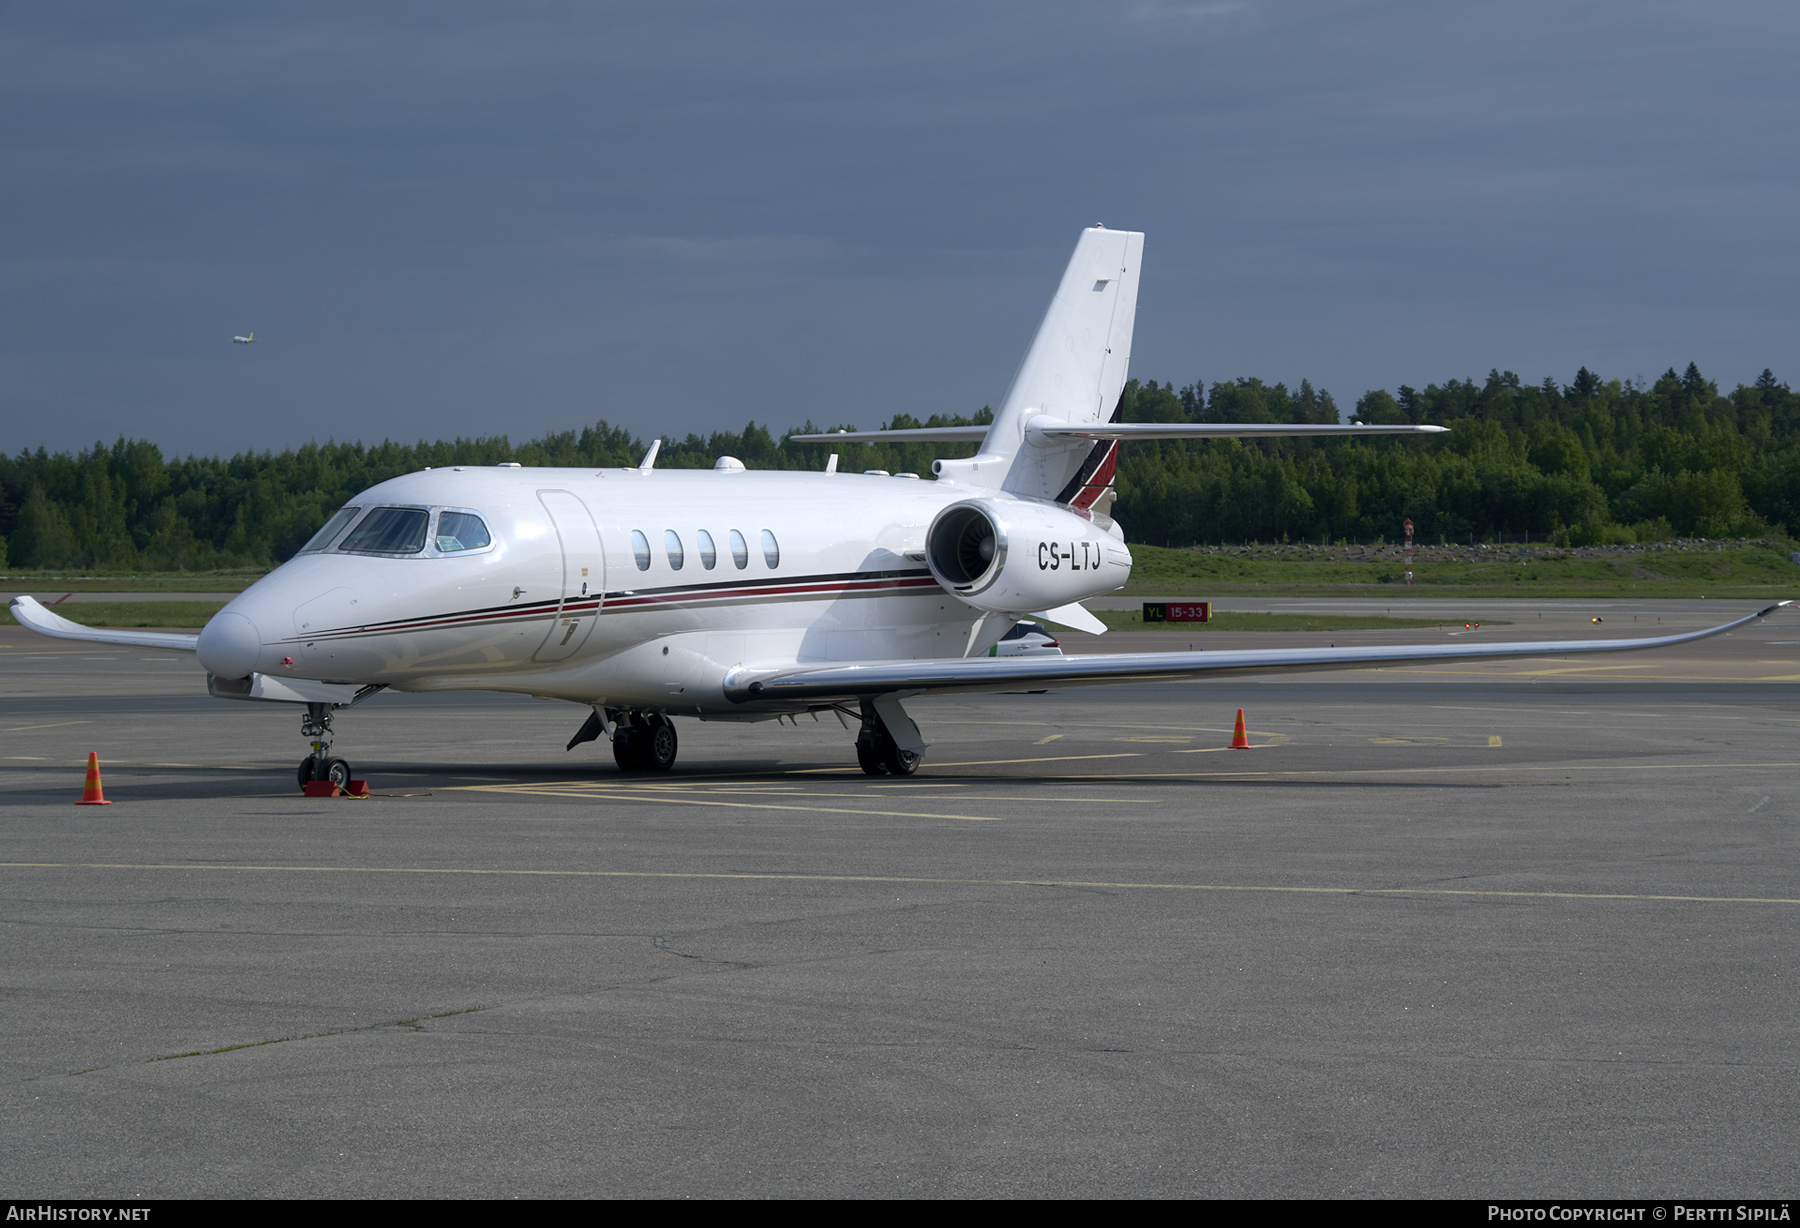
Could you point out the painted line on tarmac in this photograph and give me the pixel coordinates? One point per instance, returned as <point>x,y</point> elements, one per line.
<point>915,880</point>
<point>1128,754</point>
<point>675,798</point>
<point>1522,768</point>
<point>827,771</point>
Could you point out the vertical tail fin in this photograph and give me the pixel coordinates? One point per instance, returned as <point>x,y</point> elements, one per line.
<point>1073,372</point>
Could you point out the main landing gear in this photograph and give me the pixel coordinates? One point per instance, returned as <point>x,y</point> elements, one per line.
<point>644,743</point>
<point>316,725</point>
<point>876,749</point>
<point>641,742</point>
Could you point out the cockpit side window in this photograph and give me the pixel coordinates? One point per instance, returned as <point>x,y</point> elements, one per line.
<point>461,531</point>
<point>389,530</point>
<point>323,538</point>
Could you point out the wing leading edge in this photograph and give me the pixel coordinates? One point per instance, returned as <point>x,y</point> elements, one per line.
<point>31,613</point>
<point>862,679</point>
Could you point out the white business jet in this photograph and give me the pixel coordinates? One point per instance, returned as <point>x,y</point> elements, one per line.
<point>245,340</point>
<point>646,595</point>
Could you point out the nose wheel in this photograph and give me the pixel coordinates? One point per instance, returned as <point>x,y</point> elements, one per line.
<point>320,765</point>
<point>335,770</point>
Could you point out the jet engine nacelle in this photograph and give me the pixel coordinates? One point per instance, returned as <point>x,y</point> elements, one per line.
<point>1021,558</point>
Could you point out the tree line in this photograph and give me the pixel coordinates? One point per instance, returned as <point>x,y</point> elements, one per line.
<point>1590,462</point>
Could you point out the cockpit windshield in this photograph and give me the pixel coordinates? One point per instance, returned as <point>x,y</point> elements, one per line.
<point>323,538</point>
<point>461,531</point>
<point>389,530</point>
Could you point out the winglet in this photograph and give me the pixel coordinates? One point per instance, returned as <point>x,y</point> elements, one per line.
<point>649,461</point>
<point>31,614</point>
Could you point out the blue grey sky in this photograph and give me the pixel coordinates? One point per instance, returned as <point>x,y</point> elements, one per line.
<point>454,219</point>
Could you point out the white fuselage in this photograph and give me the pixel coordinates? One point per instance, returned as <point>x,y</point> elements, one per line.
<point>559,604</point>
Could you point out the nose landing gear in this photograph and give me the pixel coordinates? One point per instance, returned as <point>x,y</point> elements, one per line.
<point>316,725</point>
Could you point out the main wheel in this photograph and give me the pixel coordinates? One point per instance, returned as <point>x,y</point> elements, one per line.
<point>624,748</point>
<point>900,762</point>
<point>869,758</point>
<point>657,746</point>
<point>306,770</point>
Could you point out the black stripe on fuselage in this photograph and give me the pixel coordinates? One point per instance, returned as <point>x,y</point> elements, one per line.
<point>848,583</point>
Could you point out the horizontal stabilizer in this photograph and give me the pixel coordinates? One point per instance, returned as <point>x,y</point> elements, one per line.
<point>865,679</point>
<point>1047,428</point>
<point>923,434</point>
<point>31,613</point>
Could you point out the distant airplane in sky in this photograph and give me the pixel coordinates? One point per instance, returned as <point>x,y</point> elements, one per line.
<point>245,340</point>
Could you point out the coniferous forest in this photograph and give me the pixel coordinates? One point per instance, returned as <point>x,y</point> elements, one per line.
<point>1590,462</point>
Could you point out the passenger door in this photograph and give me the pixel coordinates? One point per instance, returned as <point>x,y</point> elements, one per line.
<point>583,575</point>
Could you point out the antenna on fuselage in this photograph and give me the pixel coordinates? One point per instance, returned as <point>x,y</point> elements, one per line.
<point>649,461</point>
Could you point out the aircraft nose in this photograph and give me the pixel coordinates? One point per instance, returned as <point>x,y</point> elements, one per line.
<point>229,645</point>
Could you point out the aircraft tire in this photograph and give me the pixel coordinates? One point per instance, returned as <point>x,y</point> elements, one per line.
<point>306,770</point>
<point>899,762</point>
<point>658,746</point>
<point>870,759</point>
<point>338,773</point>
<point>624,749</point>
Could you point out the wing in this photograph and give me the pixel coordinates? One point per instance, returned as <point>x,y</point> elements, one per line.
<point>861,679</point>
<point>30,613</point>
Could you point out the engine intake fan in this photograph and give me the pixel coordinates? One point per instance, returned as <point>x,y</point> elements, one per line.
<point>966,549</point>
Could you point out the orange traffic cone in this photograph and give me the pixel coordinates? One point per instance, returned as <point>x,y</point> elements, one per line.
<point>1240,737</point>
<point>90,792</point>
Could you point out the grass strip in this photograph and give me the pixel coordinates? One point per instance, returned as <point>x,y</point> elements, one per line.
<point>1132,620</point>
<point>75,582</point>
<point>1756,570</point>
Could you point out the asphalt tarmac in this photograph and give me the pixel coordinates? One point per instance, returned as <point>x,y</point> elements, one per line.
<point>1517,929</point>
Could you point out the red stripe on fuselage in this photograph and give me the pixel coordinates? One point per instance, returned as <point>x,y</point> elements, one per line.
<point>630,600</point>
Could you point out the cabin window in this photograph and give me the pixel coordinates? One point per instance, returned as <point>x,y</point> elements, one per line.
<point>672,545</point>
<point>771,551</point>
<point>740,550</point>
<point>709,556</point>
<point>323,538</point>
<point>461,531</point>
<point>640,549</point>
<point>389,530</point>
